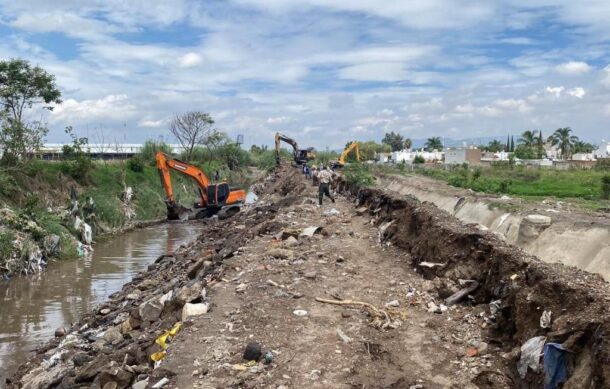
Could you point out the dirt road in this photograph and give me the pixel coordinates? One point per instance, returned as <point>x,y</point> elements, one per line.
<point>331,346</point>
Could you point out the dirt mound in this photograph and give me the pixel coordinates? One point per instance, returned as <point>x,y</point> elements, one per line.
<point>517,287</point>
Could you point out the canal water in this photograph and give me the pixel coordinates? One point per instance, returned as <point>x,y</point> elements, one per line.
<point>31,308</point>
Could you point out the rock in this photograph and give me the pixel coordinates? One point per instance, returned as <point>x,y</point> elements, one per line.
<point>433,308</point>
<point>105,311</point>
<point>80,358</point>
<point>87,374</point>
<point>291,242</point>
<point>134,295</point>
<point>125,327</point>
<point>161,383</point>
<point>60,332</point>
<point>113,373</point>
<point>393,303</point>
<point>310,275</point>
<point>341,335</point>
<point>51,245</point>
<point>150,310</point>
<point>189,293</point>
<point>253,351</point>
<point>281,253</point>
<point>300,312</point>
<point>190,310</point>
<point>340,259</point>
<point>310,231</point>
<point>113,335</point>
<point>241,288</point>
<point>480,346</point>
<point>140,384</point>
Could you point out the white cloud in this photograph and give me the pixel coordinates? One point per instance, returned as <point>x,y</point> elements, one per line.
<point>606,76</point>
<point>279,120</point>
<point>577,92</point>
<point>189,60</point>
<point>109,107</point>
<point>152,123</point>
<point>555,90</point>
<point>573,68</point>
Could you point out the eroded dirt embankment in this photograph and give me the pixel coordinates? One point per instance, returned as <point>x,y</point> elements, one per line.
<point>554,231</point>
<point>256,275</point>
<point>522,285</point>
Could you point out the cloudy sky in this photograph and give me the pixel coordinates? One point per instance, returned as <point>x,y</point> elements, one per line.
<point>323,71</point>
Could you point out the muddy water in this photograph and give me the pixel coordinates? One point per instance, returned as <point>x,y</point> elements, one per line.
<point>32,308</point>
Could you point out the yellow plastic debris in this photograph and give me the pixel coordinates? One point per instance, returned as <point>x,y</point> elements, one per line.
<point>162,341</point>
<point>158,356</point>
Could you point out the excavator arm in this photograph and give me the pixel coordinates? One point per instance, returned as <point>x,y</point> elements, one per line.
<point>212,197</point>
<point>300,156</point>
<point>345,153</point>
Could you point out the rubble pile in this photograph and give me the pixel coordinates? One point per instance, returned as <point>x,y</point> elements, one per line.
<point>524,297</point>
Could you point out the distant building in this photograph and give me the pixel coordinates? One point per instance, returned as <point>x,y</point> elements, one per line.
<point>459,156</point>
<point>407,156</point>
<point>489,156</point>
<point>52,151</point>
<point>584,157</point>
<point>603,151</point>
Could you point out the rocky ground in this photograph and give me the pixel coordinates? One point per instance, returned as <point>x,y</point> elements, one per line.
<point>318,297</point>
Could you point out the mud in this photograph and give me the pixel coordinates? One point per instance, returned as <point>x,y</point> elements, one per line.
<point>403,257</point>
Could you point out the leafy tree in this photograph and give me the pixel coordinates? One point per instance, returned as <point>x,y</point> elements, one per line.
<point>434,143</point>
<point>408,143</point>
<point>419,159</point>
<point>495,146</point>
<point>530,146</point>
<point>22,87</point>
<point>394,140</point>
<point>562,138</point>
<point>254,149</point>
<point>369,149</point>
<point>193,129</point>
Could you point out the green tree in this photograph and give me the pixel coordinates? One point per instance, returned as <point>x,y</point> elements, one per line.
<point>408,143</point>
<point>394,140</point>
<point>495,146</point>
<point>369,149</point>
<point>194,128</point>
<point>528,139</point>
<point>512,143</point>
<point>562,138</point>
<point>23,86</point>
<point>434,143</point>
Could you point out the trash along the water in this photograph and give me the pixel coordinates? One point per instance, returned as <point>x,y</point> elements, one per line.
<point>162,341</point>
<point>530,355</point>
<point>331,212</point>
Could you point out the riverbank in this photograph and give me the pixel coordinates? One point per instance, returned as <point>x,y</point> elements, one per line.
<point>335,305</point>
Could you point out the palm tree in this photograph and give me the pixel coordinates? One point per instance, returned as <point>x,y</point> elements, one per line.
<point>528,139</point>
<point>562,138</point>
<point>495,146</point>
<point>434,143</point>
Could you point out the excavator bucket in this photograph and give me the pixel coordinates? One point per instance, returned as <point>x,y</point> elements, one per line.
<point>177,212</point>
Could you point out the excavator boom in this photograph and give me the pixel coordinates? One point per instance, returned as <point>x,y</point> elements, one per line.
<point>212,197</point>
<point>345,153</point>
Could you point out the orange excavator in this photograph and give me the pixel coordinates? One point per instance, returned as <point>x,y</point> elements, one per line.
<point>214,198</point>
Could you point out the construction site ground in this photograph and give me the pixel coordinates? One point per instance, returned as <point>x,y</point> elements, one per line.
<point>331,346</point>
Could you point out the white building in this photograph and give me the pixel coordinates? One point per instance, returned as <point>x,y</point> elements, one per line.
<point>584,157</point>
<point>409,155</point>
<point>603,151</point>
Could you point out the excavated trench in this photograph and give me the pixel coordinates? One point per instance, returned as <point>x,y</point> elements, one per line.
<point>519,286</point>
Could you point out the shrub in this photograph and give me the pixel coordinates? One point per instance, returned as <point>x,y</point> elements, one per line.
<point>606,187</point>
<point>419,159</point>
<point>135,164</point>
<point>79,168</point>
<point>8,185</point>
<point>149,151</point>
<point>358,174</point>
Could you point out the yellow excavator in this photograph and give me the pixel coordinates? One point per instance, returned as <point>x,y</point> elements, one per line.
<point>213,198</point>
<point>341,162</point>
<point>300,156</point>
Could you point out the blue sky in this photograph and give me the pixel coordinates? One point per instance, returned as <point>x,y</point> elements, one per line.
<point>326,72</point>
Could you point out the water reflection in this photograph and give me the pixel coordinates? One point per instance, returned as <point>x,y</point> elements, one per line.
<point>32,308</point>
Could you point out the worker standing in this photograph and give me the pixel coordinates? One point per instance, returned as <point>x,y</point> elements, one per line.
<point>324,177</point>
<point>314,175</point>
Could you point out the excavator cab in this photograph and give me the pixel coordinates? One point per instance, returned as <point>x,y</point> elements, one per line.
<point>218,194</point>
